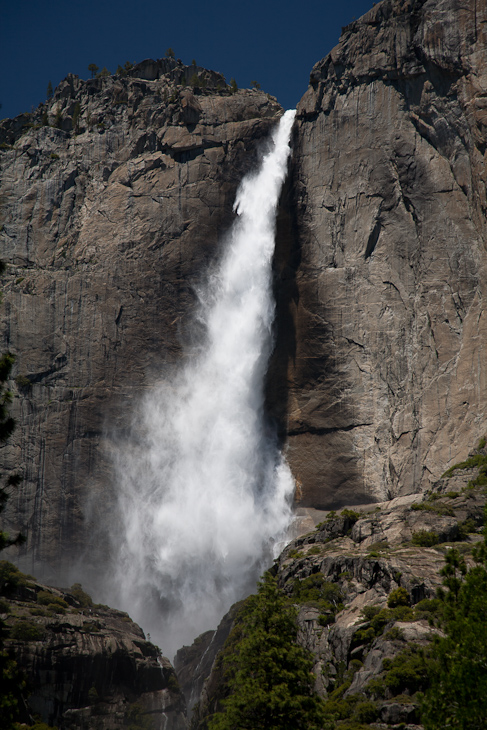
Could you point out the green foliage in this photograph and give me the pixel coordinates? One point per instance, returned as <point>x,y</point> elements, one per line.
<point>453,571</point>
<point>482,443</point>
<point>439,508</point>
<point>93,696</point>
<point>11,578</point>
<point>11,685</point>
<point>321,593</point>
<point>378,547</point>
<point>49,91</point>
<point>194,81</point>
<point>234,86</point>
<point>476,460</point>
<point>7,423</point>
<point>26,631</point>
<point>398,597</point>
<point>93,69</point>
<point>406,672</point>
<point>268,675</point>
<point>83,598</point>
<point>315,550</point>
<point>430,609</point>
<point>394,634</point>
<point>379,619</point>
<point>368,612</point>
<point>425,538</point>
<point>11,680</point>
<point>173,684</point>
<point>91,627</point>
<point>23,382</point>
<point>294,554</point>
<point>170,53</point>
<point>103,74</point>
<point>137,719</point>
<point>457,697</point>
<point>255,84</point>
<point>39,612</point>
<point>350,514</point>
<point>45,598</point>
<point>365,711</point>
<point>466,527</point>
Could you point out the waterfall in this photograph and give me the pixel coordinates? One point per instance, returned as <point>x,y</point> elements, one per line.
<point>204,492</point>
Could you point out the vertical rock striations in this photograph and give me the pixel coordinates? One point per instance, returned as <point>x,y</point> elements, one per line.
<point>114,194</point>
<point>113,197</point>
<point>381,361</point>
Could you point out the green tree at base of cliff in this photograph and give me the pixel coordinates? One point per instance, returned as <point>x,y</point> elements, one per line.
<point>269,676</point>
<point>11,683</point>
<point>7,425</point>
<point>457,698</point>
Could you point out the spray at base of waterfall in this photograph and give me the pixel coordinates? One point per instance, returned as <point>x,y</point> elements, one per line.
<point>203,490</point>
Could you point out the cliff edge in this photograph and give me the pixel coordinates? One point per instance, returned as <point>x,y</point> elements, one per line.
<point>379,379</point>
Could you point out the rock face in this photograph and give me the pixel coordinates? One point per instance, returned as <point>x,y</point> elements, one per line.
<point>109,218</point>
<point>115,194</point>
<point>379,380</point>
<point>86,666</point>
<point>361,558</point>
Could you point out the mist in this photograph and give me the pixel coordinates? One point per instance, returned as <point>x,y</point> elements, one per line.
<point>204,492</point>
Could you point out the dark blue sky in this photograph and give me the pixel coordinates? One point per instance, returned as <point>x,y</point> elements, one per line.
<point>275,42</point>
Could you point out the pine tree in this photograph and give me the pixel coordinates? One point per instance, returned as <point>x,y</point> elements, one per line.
<point>93,69</point>
<point>457,697</point>
<point>269,676</point>
<point>49,91</point>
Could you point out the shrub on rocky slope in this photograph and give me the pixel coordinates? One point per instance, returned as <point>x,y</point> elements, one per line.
<point>366,594</point>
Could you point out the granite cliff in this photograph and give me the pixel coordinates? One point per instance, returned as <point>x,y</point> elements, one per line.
<point>84,665</point>
<point>114,196</point>
<point>382,256</point>
<point>364,584</point>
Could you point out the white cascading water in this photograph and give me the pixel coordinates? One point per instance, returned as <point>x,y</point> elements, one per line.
<point>205,492</point>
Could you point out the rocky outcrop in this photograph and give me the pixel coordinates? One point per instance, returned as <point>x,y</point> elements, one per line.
<point>194,663</point>
<point>115,197</point>
<point>379,379</point>
<point>360,559</point>
<point>85,666</point>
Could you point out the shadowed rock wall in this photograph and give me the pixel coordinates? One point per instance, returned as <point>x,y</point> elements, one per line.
<point>380,372</point>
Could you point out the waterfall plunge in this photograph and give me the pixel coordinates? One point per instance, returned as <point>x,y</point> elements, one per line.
<point>204,493</point>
